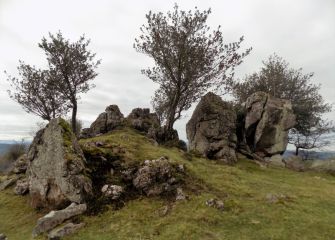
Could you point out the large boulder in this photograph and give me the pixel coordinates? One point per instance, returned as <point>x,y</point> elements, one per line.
<point>106,122</point>
<point>56,167</point>
<point>211,130</point>
<point>142,120</point>
<point>267,122</point>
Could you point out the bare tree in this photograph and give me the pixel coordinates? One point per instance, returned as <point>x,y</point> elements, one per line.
<point>72,66</point>
<point>314,138</point>
<point>36,92</point>
<point>277,78</point>
<point>190,59</point>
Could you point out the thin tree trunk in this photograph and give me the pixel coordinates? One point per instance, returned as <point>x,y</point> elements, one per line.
<point>74,118</point>
<point>296,151</point>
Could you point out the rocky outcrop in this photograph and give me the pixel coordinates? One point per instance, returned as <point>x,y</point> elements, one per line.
<point>22,187</point>
<point>56,168</point>
<point>211,130</point>
<point>55,218</point>
<point>266,125</point>
<point>20,165</point>
<point>155,177</point>
<point>106,122</point>
<point>7,183</point>
<point>112,191</point>
<point>65,230</point>
<point>142,120</point>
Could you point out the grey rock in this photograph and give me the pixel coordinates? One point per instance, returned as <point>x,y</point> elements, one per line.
<point>295,163</point>
<point>56,169</point>
<point>154,177</point>
<point>276,160</point>
<point>107,121</point>
<point>3,236</point>
<point>267,123</point>
<point>112,191</point>
<point>20,165</point>
<point>213,202</point>
<point>55,218</point>
<point>211,131</point>
<point>7,183</point>
<point>142,120</point>
<point>22,187</point>
<point>65,230</point>
<point>276,198</point>
<point>180,195</point>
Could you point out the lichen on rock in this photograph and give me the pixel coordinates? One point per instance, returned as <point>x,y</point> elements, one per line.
<point>56,167</point>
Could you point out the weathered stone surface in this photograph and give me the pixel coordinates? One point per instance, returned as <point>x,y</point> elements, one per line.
<point>155,177</point>
<point>295,163</point>
<point>106,121</point>
<point>180,196</point>
<point>276,160</point>
<point>211,130</point>
<point>7,183</point>
<point>22,187</point>
<point>55,218</point>
<point>3,236</point>
<point>267,123</point>
<point>65,230</point>
<point>20,165</point>
<point>56,169</point>
<point>213,202</point>
<point>112,191</point>
<point>142,120</point>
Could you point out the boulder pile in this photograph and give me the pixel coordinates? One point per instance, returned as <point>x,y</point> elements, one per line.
<point>216,132</point>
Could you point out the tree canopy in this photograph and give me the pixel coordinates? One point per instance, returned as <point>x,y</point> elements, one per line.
<point>52,92</point>
<point>189,57</point>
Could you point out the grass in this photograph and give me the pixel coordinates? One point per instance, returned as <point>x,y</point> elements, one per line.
<point>306,212</point>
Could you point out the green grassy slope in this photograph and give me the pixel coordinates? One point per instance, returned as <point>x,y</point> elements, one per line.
<point>306,212</point>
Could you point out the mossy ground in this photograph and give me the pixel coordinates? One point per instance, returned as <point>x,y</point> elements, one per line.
<point>307,212</point>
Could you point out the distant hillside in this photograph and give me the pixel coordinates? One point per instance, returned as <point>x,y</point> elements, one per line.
<point>315,154</point>
<point>4,147</point>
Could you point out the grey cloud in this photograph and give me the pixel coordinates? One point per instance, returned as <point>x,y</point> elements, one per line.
<point>302,32</point>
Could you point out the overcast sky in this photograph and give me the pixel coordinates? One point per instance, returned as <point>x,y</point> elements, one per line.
<point>300,31</point>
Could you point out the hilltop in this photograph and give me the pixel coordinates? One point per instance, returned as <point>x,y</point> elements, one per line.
<point>259,202</point>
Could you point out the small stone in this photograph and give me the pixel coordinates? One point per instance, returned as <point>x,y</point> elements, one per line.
<point>3,236</point>
<point>99,144</point>
<point>180,195</point>
<point>65,230</point>
<point>112,191</point>
<point>22,187</point>
<point>218,204</point>
<point>181,168</point>
<point>7,183</point>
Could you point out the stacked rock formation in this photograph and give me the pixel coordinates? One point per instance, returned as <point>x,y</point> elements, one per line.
<point>211,130</point>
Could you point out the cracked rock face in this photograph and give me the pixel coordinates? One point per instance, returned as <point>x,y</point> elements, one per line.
<point>106,121</point>
<point>211,130</point>
<point>155,177</point>
<point>56,168</point>
<point>142,120</point>
<point>267,123</point>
